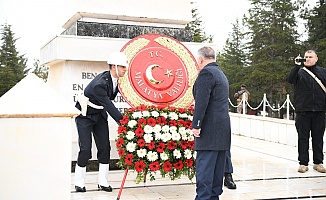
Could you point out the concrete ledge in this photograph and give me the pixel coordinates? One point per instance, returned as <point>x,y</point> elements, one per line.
<point>265,128</point>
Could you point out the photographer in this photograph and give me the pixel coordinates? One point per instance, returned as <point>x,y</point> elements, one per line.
<point>309,102</point>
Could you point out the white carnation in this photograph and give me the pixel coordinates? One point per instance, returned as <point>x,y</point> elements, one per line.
<point>131,146</point>
<point>173,129</point>
<point>173,116</point>
<point>182,130</point>
<point>166,137</point>
<point>152,156</point>
<point>141,153</point>
<point>165,128</point>
<point>136,115</point>
<point>148,137</point>
<point>188,153</point>
<point>132,123</point>
<point>177,153</point>
<point>146,113</point>
<point>155,113</point>
<point>158,136</point>
<point>176,136</point>
<point>148,129</point>
<point>157,128</point>
<point>130,135</point>
<point>195,154</point>
<point>164,115</point>
<point>191,138</point>
<point>164,156</point>
<point>183,115</point>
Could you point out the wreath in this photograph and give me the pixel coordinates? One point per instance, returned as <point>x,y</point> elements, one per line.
<point>153,139</point>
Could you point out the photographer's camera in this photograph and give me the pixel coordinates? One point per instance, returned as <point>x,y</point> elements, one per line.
<point>300,60</point>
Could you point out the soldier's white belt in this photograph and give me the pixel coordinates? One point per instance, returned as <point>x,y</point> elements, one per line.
<point>84,102</point>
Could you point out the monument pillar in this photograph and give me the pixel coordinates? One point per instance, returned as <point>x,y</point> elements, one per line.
<point>35,131</point>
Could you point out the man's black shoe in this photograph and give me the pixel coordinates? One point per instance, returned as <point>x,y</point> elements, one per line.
<point>80,189</point>
<point>107,189</point>
<point>228,182</point>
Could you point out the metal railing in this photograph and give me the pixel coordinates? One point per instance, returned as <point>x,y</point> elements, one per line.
<point>265,105</point>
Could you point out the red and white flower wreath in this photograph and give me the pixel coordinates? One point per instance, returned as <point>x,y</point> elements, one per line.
<point>152,139</point>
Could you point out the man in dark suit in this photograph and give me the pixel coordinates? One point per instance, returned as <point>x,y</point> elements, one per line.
<point>95,105</point>
<point>211,125</point>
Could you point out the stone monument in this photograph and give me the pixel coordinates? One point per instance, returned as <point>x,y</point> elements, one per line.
<point>99,27</point>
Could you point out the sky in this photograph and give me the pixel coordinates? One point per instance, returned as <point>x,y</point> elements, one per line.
<point>36,22</point>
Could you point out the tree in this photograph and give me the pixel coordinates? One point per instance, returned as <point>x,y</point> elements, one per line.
<point>40,71</point>
<point>233,57</point>
<point>196,27</point>
<point>316,23</point>
<point>273,43</point>
<point>12,65</point>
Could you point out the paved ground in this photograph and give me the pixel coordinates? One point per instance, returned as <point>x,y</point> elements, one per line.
<point>262,170</point>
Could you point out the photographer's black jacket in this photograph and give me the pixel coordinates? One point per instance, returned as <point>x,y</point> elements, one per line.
<point>308,95</point>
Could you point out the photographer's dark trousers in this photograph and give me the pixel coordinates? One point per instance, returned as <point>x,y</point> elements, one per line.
<point>228,163</point>
<point>209,174</point>
<point>98,125</point>
<point>310,123</point>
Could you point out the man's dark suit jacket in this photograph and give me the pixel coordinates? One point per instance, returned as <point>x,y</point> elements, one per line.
<point>211,115</point>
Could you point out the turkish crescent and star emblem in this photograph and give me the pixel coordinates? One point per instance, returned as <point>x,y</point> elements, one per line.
<point>161,72</point>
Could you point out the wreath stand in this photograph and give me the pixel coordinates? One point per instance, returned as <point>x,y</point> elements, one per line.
<point>123,183</point>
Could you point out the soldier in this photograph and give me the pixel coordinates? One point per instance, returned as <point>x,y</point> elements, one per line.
<point>96,104</point>
<point>239,96</point>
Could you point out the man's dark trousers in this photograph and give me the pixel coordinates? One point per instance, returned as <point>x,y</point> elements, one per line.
<point>209,174</point>
<point>98,125</point>
<point>314,123</point>
<point>228,163</point>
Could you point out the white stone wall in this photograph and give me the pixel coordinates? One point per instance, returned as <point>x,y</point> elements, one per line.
<point>266,128</point>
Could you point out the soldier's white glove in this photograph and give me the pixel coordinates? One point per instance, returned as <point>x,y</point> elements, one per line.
<point>297,58</point>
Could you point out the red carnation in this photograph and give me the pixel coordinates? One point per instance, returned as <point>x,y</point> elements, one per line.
<point>151,145</point>
<point>121,152</point>
<point>181,122</point>
<point>139,166</point>
<point>141,143</point>
<point>154,166</point>
<point>181,110</point>
<point>189,162</point>
<point>188,124</point>
<point>173,123</point>
<point>183,144</point>
<point>120,142</point>
<point>172,108</point>
<point>141,107</point>
<point>160,148</point>
<point>130,110</point>
<point>122,129</point>
<point>124,120</point>
<point>128,159</point>
<point>139,132</point>
<point>161,107</point>
<point>141,122</point>
<point>151,121</point>
<point>167,166</point>
<point>178,165</point>
<point>191,144</point>
<point>161,121</point>
<point>172,145</point>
